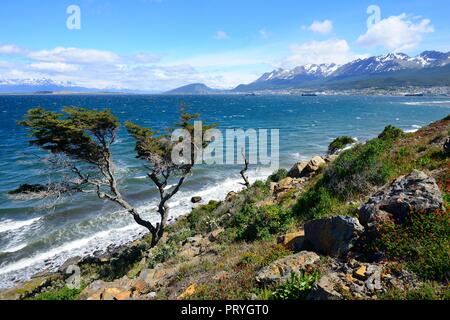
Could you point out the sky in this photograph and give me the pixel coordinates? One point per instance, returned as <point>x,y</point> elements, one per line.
<point>157,45</point>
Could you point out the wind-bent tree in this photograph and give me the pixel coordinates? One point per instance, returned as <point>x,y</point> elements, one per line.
<point>80,141</point>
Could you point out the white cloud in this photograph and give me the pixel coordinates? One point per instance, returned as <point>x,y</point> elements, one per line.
<point>264,33</point>
<point>327,51</point>
<point>10,49</point>
<point>143,57</point>
<point>75,55</point>
<point>322,27</point>
<point>54,66</point>
<point>221,35</point>
<point>397,33</point>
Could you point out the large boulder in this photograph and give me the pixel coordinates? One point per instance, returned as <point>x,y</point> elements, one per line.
<point>414,193</point>
<point>297,169</point>
<point>447,146</point>
<point>280,271</point>
<point>306,168</point>
<point>333,236</point>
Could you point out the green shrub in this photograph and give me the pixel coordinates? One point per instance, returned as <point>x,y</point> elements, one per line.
<point>60,294</point>
<point>359,169</point>
<point>161,255</point>
<point>202,219</point>
<point>317,202</point>
<point>279,175</point>
<point>422,241</point>
<point>296,288</point>
<point>340,143</point>
<point>260,223</point>
<point>391,133</point>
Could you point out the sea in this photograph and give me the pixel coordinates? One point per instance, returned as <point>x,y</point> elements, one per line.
<point>38,235</point>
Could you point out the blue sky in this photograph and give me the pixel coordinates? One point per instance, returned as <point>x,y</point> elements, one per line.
<point>160,44</point>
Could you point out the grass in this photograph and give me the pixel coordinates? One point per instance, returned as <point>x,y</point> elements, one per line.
<point>428,291</point>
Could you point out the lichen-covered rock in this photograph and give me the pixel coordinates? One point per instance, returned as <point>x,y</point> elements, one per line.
<point>414,193</point>
<point>306,168</point>
<point>333,236</point>
<point>324,289</point>
<point>279,271</point>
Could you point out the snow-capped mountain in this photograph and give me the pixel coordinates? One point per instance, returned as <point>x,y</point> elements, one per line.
<point>38,85</point>
<point>313,74</point>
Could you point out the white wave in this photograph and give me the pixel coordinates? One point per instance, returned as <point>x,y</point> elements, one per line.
<point>8,225</point>
<point>12,249</point>
<point>180,205</point>
<point>445,103</point>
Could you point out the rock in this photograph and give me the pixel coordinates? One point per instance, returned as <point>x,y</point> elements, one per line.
<point>284,184</point>
<point>69,262</point>
<point>230,196</point>
<point>272,187</point>
<point>190,291</point>
<point>214,235</point>
<point>195,241</point>
<point>410,194</point>
<point>293,241</point>
<point>306,168</point>
<point>333,236</point>
<point>279,271</point>
<point>141,287</point>
<point>115,294</point>
<point>447,146</point>
<point>196,199</point>
<point>189,252</point>
<point>313,165</point>
<point>297,169</point>
<point>324,289</point>
<point>361,272</point>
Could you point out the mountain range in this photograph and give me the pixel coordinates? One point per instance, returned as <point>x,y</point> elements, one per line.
<point>430,68</point>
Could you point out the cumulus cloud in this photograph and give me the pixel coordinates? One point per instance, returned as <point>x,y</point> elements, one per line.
<point>321,27</point>
<point>397,33</point>
<point>54,66</point>
<point>327,51</point>
<point>10,49</point>
<point>75,55</point>
<point>221,35</point>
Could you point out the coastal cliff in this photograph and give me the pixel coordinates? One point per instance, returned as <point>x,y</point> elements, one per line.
<point>369,221</point>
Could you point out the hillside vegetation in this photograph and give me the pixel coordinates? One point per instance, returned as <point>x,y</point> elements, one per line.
<point>235,249</point>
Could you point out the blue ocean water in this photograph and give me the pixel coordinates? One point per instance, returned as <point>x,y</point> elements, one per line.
<point>38,235</point>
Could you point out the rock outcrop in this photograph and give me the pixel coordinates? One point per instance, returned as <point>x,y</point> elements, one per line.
<point>333,236</point>
<point>280,271</point>
<point>414,193</point>
<point>306,168</point>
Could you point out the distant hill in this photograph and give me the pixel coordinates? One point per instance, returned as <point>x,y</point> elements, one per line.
<point>194,88</point>
<point>39,86</point>
<point>430,68</point>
